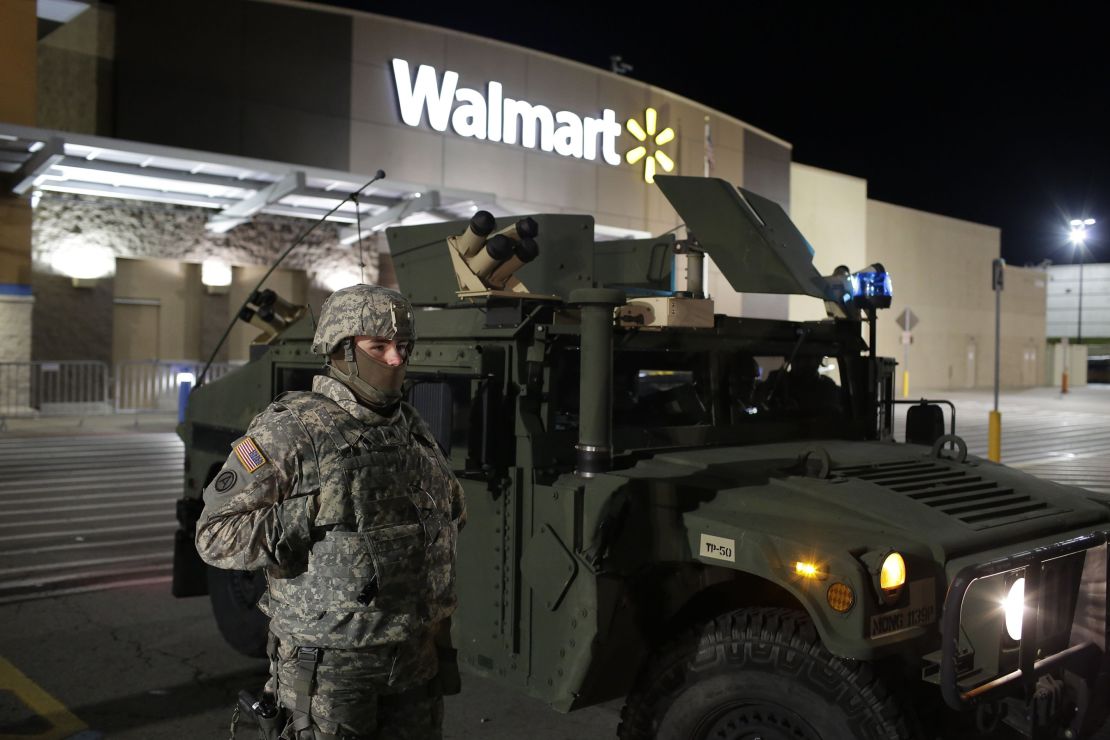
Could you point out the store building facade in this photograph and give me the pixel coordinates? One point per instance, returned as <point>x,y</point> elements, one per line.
<point>257,119</point>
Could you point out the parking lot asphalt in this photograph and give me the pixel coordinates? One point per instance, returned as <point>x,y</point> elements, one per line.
<point>94,645</point>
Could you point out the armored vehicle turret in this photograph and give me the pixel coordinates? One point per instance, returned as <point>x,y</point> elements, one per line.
<point>707,515</point>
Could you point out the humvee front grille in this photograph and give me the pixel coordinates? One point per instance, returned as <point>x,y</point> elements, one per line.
<point>976,502</point>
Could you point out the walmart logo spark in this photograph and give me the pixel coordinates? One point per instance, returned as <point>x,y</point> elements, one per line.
<point>643,133</point>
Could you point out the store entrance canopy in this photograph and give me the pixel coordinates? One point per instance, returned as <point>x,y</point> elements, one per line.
<point>235,188</point>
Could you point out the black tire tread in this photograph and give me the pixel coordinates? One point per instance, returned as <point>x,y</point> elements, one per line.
<point>664,676</point>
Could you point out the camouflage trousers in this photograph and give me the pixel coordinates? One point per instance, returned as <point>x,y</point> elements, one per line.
<point>347,695</point>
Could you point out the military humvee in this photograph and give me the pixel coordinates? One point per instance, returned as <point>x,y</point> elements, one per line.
<point>704,514</point>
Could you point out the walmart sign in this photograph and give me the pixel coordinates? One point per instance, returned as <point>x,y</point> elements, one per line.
<point>491,116</point>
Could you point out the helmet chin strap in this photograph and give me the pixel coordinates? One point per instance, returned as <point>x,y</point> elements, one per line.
<point>373,382</point>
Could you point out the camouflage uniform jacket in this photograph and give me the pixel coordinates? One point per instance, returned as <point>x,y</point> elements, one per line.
<point>354,517</point>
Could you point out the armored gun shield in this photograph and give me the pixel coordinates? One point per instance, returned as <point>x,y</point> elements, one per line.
<point>750,238</point>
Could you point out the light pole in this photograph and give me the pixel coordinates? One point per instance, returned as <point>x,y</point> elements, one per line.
<point>1078,236</point>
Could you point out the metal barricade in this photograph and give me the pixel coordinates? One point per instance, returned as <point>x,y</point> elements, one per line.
<point>146,386</point>
<point>29,389</point>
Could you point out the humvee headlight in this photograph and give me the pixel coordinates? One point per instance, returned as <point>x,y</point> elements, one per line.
<point>893,573</point>
<point>841,597</point>
<point>1014,606</point>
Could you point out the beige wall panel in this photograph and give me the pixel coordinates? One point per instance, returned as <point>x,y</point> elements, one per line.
<point>618,221</point>
<point>479,63</point>
<point>164,281</point>
<point>658,226</point>
<point>135,332</point>
<point>561,86</point>
<point>690,156</point>
<point>552,179</point>
<point>726,132</point>
<point>373,97</point>
<point>626,97</point>
<point>379,39</point>
<point>1075,362</point>
<point>516,205</point>
<point>479,165</point>
<point>659,209</point>
<point>1023,328</point>
<point>405,153</point>
<point>728,164</point>
<point>946,264</point>
<point>830,209</point>
<point>622,190</point>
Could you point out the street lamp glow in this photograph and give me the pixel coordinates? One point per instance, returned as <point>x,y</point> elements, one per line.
<point>1078,233</point>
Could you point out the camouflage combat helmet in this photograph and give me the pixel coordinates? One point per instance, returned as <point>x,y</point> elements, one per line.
<point>372,311</point>
<point>363,310</point>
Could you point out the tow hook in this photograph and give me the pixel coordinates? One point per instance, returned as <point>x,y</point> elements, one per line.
<point>1045,706</point>
<point>988,715</point>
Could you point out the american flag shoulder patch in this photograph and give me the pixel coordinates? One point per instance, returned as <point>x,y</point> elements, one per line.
<point>249,455</point>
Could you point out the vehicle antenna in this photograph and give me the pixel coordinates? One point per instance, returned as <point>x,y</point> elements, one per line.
<point>353,197</point>
<point>358,225</point>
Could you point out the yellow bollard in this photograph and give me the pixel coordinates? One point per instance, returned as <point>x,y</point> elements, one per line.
<point>905,384</point>
<point>994,437</point>
<point>1064,382</point>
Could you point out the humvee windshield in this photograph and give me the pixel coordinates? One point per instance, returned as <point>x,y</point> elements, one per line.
<point>665,398</point>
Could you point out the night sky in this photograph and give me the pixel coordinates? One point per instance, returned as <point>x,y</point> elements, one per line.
<point>979,111</point>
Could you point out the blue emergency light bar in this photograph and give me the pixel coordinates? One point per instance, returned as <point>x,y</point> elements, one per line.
<point>872,289</point>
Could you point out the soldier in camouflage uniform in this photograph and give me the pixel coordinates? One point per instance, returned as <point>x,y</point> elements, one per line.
<point>345,499</point>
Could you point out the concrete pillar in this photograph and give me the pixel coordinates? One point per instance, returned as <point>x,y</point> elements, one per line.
<point>18,66</point>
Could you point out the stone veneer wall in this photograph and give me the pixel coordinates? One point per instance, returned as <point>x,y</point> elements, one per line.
<point>74,323</point>
<point>162,231</point>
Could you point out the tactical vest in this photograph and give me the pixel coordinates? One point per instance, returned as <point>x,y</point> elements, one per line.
<point>381,566</point>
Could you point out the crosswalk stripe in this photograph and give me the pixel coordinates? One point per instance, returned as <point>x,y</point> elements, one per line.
<point>157,493</point>
<point>84,545</point>
<point>75,519</point>
<point>160,503</point>
<point>42,567</point>
<point>81,575</point>
<point>105,586</point>
<point>167,526</point>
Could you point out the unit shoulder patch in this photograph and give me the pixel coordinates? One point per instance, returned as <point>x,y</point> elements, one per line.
<point>225,480</point>
<point>250,457</point>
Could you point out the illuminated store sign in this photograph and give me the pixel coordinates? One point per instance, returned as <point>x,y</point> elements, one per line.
<point>649,130</point>
<point>491,116</point>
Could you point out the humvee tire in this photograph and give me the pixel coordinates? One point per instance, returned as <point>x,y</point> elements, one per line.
<point>758,673</point>
<point>234,595</point>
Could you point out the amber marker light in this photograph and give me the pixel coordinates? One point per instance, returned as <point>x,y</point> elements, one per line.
<point>806,570</point>
<point>893,574</point>
<point>840,596</point>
